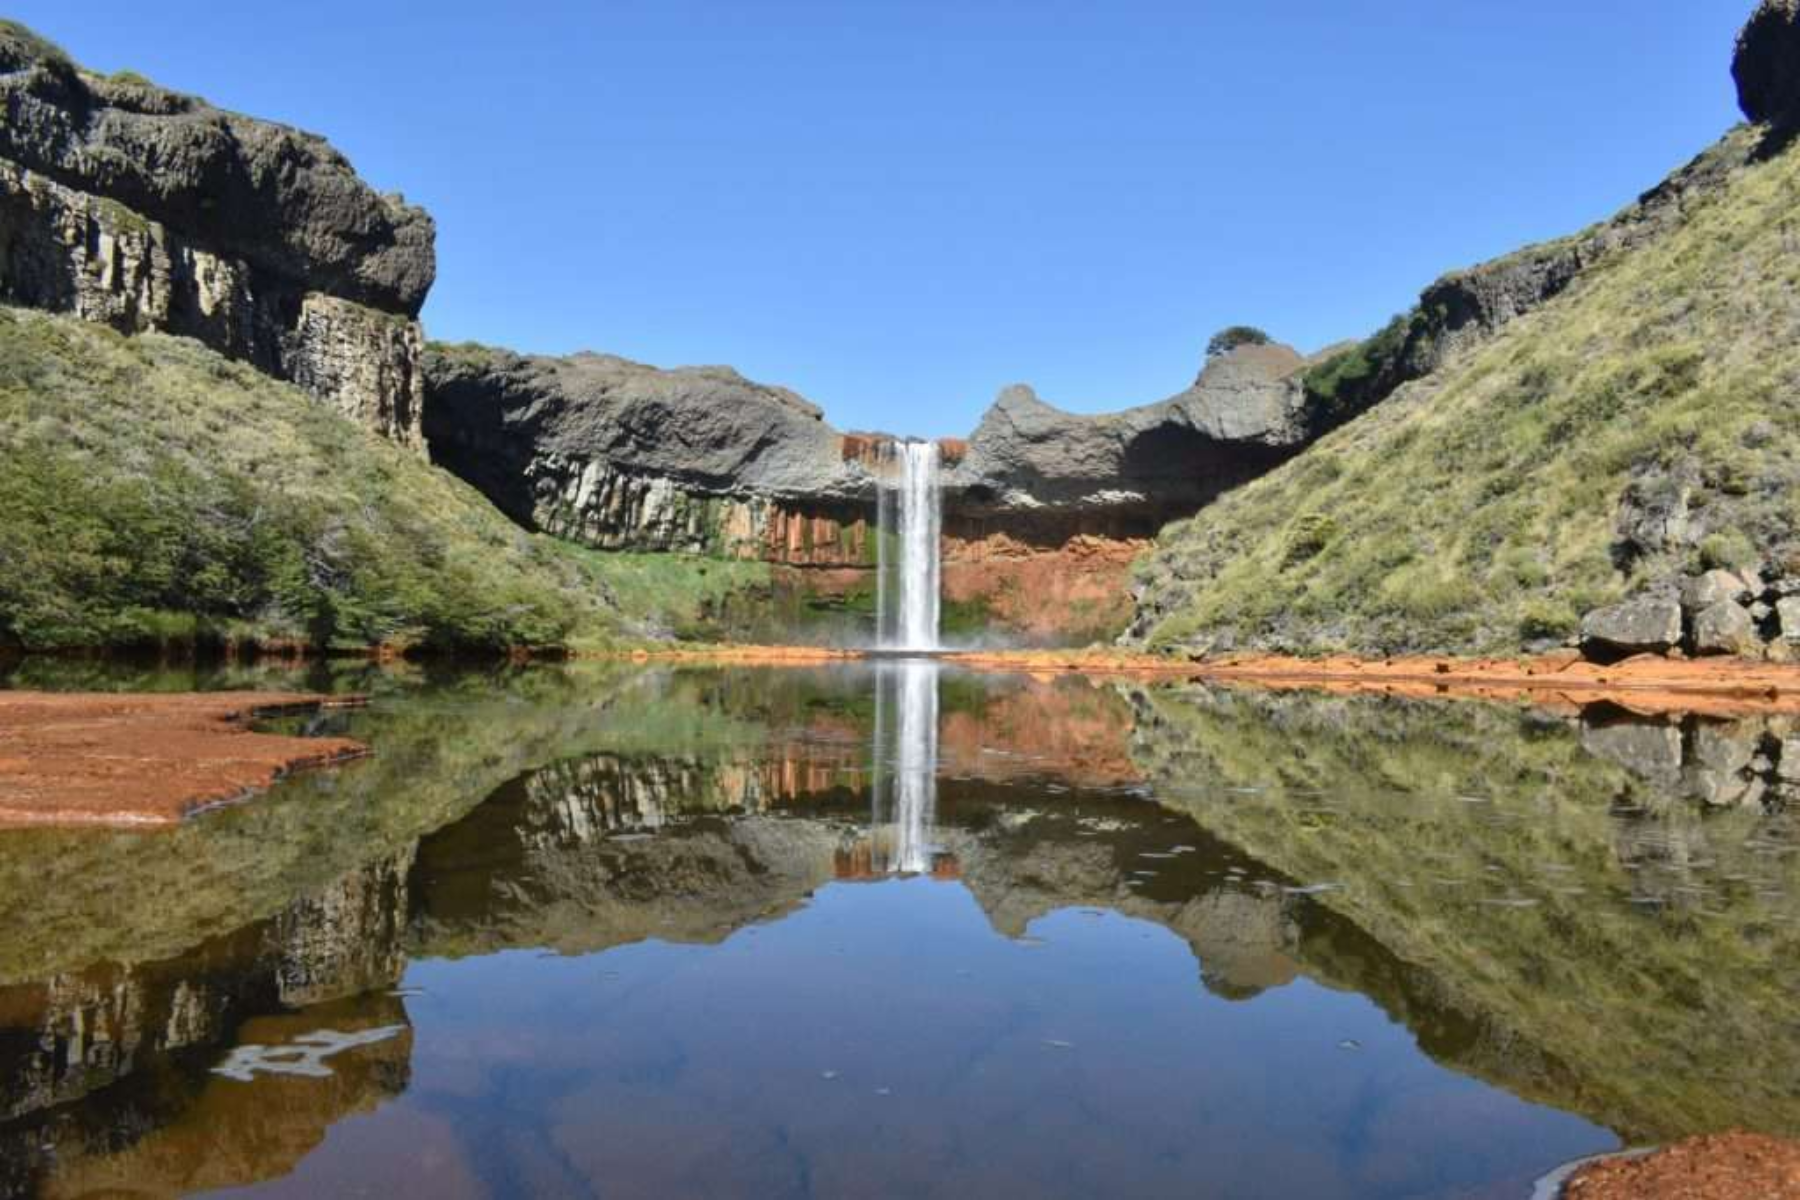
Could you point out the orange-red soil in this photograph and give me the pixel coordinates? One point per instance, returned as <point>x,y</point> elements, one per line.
<point>1649,684</point>
<point>1713,686</point>
<point>103,759</point>
<point>1725,1166</point>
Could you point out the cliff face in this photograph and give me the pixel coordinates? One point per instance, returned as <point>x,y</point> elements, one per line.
<point>144,209</point>
<point>618,455</point>
<point>1136,468</point>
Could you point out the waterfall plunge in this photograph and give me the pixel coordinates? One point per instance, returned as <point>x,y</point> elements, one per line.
<point>910,519</point>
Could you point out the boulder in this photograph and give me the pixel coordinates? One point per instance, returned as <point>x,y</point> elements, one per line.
<point>1648,750</point>
<point>1787,767</point>
<point>1787,612</point>
<point>1766,66</point>
<point>1724,628</point>
<point>1713,587</point>
<point>1634,627</point>
<point>1727,749</point>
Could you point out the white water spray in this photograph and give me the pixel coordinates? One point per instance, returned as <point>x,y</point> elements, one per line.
<point>911,522</point>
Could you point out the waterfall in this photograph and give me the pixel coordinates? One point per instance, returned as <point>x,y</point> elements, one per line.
<point>905,796</point>
<point>910,521</point>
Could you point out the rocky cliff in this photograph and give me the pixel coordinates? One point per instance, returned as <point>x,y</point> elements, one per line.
<point>615,454</point>
<point>144,209</point>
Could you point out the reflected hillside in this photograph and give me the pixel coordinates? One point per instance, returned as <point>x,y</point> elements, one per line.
<point>108,1084</point>
<point>1559,880</point>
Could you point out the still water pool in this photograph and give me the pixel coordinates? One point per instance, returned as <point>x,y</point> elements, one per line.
<point>898,930</point>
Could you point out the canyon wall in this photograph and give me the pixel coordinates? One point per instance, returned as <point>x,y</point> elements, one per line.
<point>1043,510</point>
<point>146,210</point>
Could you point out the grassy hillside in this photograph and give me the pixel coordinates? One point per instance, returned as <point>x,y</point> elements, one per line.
<point>152,492</point>
<point>1477,509</point>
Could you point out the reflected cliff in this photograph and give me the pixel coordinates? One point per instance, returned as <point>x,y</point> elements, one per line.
<point>1590,911</point>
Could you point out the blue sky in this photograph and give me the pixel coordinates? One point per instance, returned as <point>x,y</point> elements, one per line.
<point>899,208</point>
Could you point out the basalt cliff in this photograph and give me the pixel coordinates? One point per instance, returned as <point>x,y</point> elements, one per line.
<point>144,209</point>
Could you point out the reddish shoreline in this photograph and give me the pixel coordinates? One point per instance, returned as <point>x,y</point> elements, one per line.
<point>1649,684</point>
<point>1722,1166</point>
<point>131,759</point>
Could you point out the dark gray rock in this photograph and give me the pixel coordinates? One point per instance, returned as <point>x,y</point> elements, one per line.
<point>1636,626</point>
<point>1727,749</point>
<point>282,200</point>
<point>1766,66</point>
<point>1464,308</point>
<point>1650,751</point>
<point>1655,514</point>
<point>1713,587</point>
<point>1787,612</point>
<point>1240,418</point>
<point>1724,628</point>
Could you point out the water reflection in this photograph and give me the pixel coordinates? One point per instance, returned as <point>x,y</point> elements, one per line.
<point>906,753</point>
<point>694,932</point>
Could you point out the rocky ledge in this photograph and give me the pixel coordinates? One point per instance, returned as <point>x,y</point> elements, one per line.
<point>144,209</point>
<point>619,455</point>
<point>1142,466</point>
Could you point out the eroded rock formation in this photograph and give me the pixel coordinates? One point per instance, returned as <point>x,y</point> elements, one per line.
<point>144,209</point>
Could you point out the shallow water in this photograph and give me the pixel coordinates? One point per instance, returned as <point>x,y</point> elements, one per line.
<point>901,931</point>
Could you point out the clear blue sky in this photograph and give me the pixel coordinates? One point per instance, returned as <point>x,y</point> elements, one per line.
<point>898,208</point>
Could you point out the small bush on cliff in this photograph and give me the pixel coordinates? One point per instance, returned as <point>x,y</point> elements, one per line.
<point>1233,336</point>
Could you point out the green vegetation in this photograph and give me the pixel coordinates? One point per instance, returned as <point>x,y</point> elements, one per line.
<point>1604,946</point>
<point>1233,336</point>
<point>1355,378</point>
<point>155,493</point>
<point>686,596</point>
<point>1478,508</point>
<point>19,45</point>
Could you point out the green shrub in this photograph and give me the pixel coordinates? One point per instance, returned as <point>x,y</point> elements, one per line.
<point>1233,336</point>
<point>1727,548</point>
<point>1311,534</point>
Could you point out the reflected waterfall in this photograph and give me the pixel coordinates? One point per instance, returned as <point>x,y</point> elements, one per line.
<point>905,780</point>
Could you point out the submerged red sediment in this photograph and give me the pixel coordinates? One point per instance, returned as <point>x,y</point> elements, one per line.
<point>133,759</point>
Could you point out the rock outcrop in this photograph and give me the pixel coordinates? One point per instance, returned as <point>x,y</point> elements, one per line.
<point>144,209</point>
<point>620,455</point>
<point>1766,67</point>
<point>1144,465</point>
